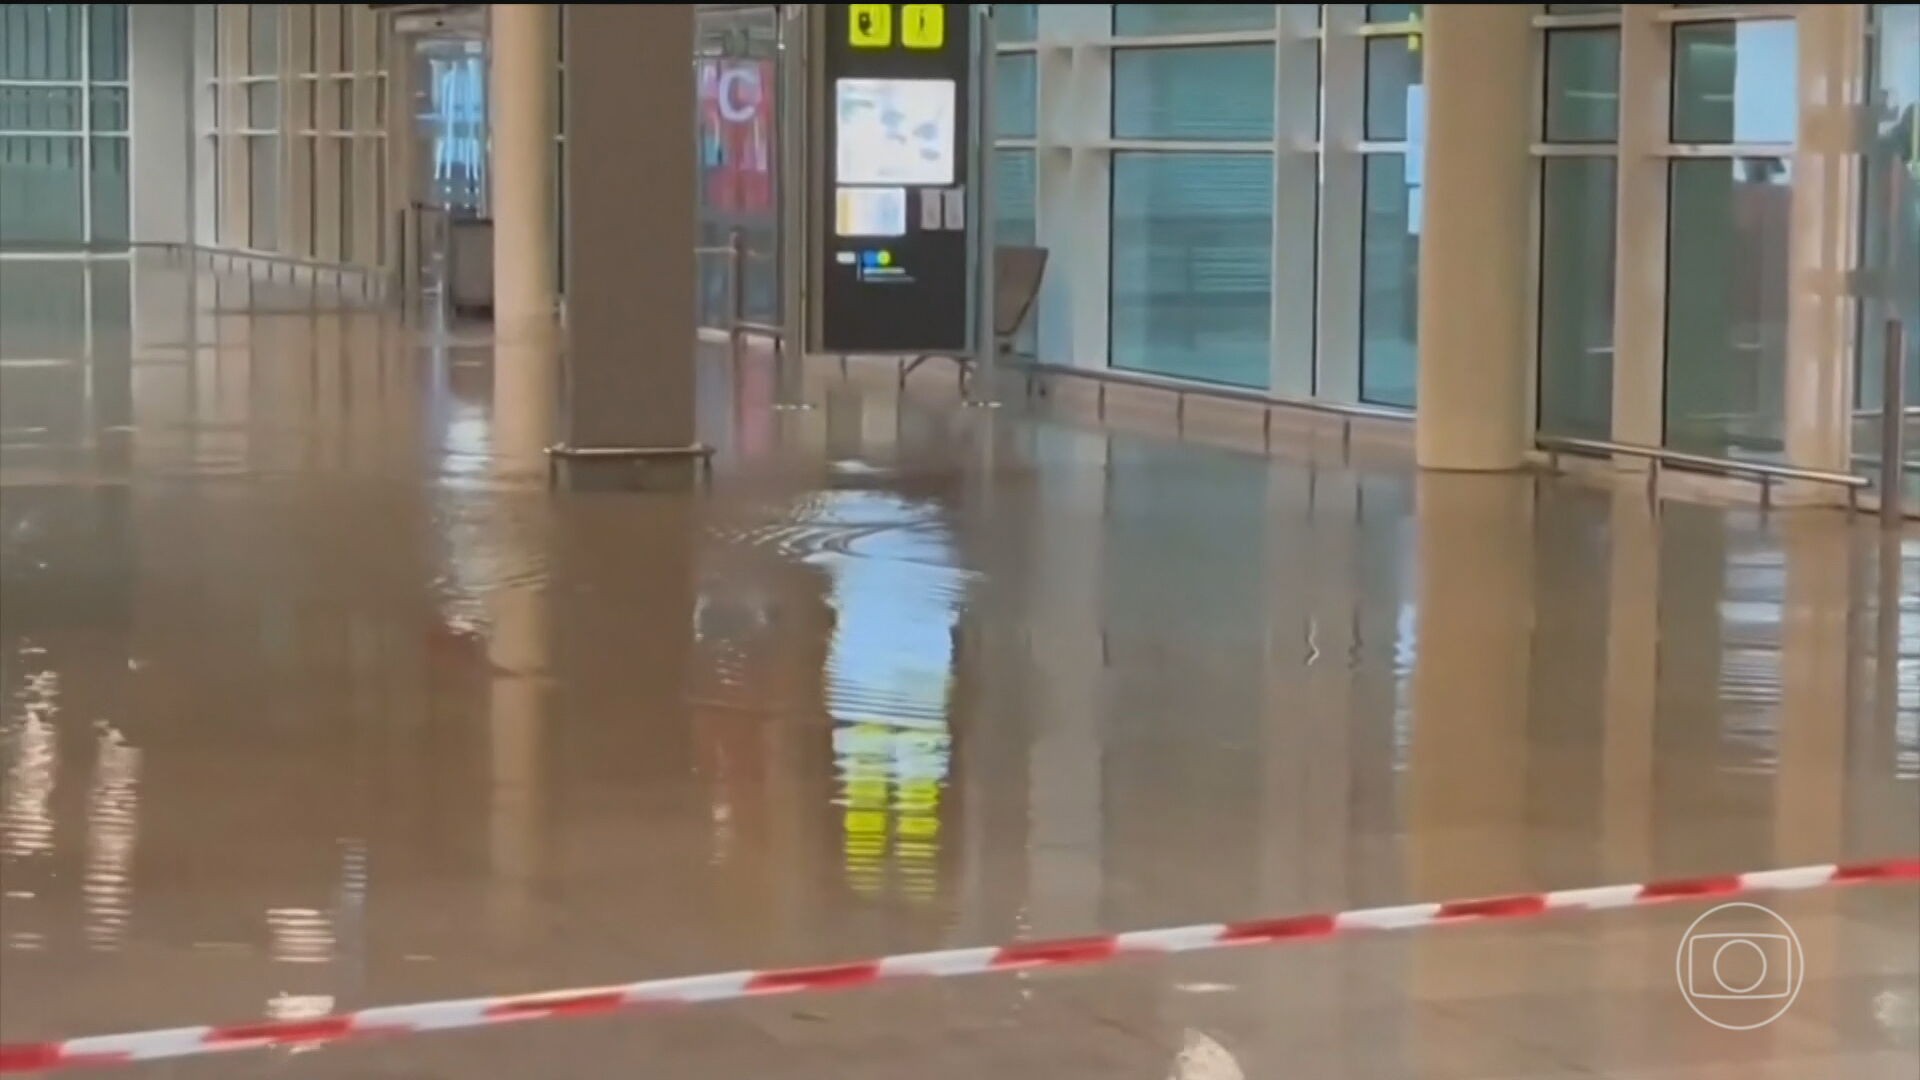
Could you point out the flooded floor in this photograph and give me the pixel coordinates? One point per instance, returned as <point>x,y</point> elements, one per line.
<point>313,697</point>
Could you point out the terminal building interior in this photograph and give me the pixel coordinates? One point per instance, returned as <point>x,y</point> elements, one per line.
<point>516,516</point>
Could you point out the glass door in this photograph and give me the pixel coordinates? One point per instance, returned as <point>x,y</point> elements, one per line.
<point>736,65</point>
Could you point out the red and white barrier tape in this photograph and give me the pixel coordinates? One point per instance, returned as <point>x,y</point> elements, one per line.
<point>1025,956</point>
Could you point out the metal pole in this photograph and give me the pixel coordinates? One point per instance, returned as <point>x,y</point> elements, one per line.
<point>794,146</point>
<point>736,289</point>
<point>1893,423</point>
<point>982,389</point>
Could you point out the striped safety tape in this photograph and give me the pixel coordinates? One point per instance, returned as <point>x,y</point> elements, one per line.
<point>1025,956</point>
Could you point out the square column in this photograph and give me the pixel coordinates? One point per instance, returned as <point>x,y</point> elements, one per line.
<point>160,124</point>
<point>627,393</point>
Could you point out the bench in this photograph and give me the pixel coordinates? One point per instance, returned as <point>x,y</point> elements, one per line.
<point>1017,273</point>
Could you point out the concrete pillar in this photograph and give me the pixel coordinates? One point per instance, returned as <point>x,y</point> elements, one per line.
<point>1475,247</point>
<point>631,229</point>
<point>1823,247</point>
<point>523,56</point>
<point>160,121</point>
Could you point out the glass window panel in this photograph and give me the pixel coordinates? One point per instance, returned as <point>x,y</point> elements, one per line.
<point>1389,280</point>
<point>263,38</point>
<point>1393,13</point>
<point>263,193</point>
<point>1394,90</point>
<point>108,188</point>
<point>1142,20</point>
<point>107,42</point>
<point>1013,197</point>
<point>1014,89</point>
<point>40,41</point>
<point>109,106</point>
<point>40,191</point>
<point>1195,93</point>
<point>1735,82</point>
<point>1015,223</point>
<point>343,102</point>
<point>1016,22</point>
<point>1727,304</point>
<point>39,108</point>
<point>1576,297</point>
<point>1192,266</point>
<point>263,106</point>
<point>1583,85</point>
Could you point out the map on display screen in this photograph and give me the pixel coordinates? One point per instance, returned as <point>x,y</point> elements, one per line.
<point>895,131</point>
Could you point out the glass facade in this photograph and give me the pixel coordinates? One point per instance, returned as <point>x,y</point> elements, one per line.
<point>1219,92</point>
<point>1235,194</point>
<point>1577,201</point>
<point>1190,244</point>
<point>1016,131</point>
<point>738,93</point>
<point>1192,272</point>
<point>1729,213</point>
<point>1891,244</point>
<point>1394,129</point>
<point>1389,279</point>
<point>1579,177</point>
<point>63,126</point>
<point>292,118</point>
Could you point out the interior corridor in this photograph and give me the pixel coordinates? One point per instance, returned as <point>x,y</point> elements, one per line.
<point>314,695</point>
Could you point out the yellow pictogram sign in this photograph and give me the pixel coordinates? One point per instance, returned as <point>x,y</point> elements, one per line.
<point>923,26</point>
<point>870,26</point>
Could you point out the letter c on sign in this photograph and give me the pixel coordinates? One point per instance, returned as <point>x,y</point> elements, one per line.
<point>739,96</point>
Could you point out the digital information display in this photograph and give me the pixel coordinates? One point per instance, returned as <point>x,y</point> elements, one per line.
<point>890,175</point>
<point>894,131</point>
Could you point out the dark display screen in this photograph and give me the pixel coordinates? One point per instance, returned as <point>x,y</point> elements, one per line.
<point>894,213</point>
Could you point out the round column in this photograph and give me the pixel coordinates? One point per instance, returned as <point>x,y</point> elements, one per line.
<point>523,58</point>
<point>1474,254</point>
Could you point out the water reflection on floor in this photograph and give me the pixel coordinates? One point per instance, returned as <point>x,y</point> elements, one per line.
<point>313,696</point>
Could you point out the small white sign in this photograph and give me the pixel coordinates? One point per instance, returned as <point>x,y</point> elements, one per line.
<point>932,207</point>
<point>957,209</point>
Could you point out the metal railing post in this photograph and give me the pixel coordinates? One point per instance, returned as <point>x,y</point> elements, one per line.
<point>736,291</point>
<point>1893,423</point>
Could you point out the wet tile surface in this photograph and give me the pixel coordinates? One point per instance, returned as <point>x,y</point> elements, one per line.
<point>313,696</point>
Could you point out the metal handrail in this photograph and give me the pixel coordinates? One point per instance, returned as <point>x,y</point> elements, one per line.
<point>1762,472</point>
<point>1182,389</point>
<point>1232,393</point>
<point>738,325</point>
<point>371,278</point>
<point>1765,473</point>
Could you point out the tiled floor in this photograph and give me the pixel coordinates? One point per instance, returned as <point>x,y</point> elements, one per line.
<point>313,696</point>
